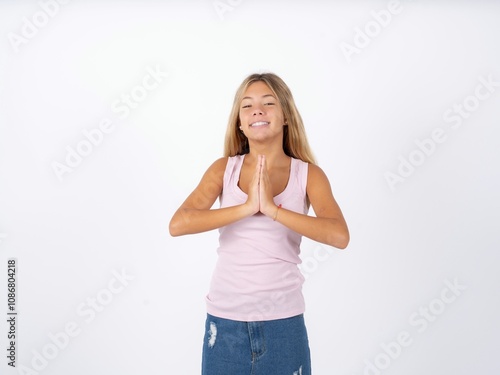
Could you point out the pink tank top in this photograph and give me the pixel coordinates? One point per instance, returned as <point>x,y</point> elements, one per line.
<point>256,276</point>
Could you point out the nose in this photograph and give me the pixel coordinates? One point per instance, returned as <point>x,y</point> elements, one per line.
<point>257,110</point>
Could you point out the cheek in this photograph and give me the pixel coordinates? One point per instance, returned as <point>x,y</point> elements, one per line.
<point>242,117</point>
<point>278,112</point>
<point>279,115</point>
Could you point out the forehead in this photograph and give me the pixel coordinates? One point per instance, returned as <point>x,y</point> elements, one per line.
<point>257,89</point>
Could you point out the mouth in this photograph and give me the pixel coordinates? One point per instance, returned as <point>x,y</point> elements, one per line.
<point>259,123</point>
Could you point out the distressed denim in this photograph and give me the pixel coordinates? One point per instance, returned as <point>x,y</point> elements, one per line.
<point>273,347</point>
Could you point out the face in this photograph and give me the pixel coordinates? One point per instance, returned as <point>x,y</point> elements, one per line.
<point>261,115</point>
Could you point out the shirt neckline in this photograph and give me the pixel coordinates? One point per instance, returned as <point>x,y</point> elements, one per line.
<point>278,196</point>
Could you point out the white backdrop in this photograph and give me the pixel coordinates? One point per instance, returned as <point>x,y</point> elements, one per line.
<point>110,112</point>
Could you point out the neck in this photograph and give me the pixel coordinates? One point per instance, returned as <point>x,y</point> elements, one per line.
<point>274,155</point>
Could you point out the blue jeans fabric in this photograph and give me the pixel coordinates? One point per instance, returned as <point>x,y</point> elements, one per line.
<point>273,347</point>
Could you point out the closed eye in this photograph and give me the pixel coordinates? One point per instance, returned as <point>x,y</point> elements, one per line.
<point>249,105</point>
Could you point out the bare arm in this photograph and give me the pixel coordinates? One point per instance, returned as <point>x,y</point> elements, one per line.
<point>195,214</point>
<point>328,227</point>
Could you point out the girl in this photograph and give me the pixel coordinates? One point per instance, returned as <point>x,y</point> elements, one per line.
<point>265,182</point>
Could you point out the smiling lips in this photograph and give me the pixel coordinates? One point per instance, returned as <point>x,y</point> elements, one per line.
<point>259,123</point>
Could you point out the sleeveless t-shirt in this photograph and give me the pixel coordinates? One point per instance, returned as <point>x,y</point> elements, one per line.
<point>256,276</point>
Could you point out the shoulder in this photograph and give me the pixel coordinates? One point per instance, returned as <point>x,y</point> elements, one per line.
<point>316,176</point>
<point>218,167</point>
<point>315,171</point>
<point>214,175</point>
<point>220,163</point>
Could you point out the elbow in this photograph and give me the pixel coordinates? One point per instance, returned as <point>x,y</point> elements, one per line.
<point>339,240</point>
<point>343,237</point>
<point>342,244</point>
<point>178,225</point>
<point>344,240</point>
<point>181,223</point>
<point>174,228</point>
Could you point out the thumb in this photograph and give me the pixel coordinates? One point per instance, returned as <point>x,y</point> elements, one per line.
<point>258,167</point>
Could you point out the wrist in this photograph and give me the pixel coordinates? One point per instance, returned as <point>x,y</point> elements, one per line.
<point>276,212</point>
<point>268,210</point>
<point>248,209</point>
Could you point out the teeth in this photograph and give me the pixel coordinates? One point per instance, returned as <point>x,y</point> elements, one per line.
<point>259,123</point>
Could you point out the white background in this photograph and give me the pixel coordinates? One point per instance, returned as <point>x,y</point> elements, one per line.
<point>110,214</point>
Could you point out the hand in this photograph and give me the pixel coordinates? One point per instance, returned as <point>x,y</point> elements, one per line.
<point>266,202</point>
<point>252,202</point>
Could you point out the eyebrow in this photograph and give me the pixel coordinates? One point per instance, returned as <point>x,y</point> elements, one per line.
<point>263,96</point>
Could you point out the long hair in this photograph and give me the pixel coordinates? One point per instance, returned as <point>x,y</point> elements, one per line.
<point>294,135</point>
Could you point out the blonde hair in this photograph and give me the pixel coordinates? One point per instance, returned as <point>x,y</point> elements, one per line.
<point>294,135</point>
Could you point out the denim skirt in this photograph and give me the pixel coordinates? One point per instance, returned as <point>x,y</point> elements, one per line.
<point>273,347</point>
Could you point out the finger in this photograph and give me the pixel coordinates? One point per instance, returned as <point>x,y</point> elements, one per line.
<point>259,162</point>
<point>265,173</point>
<point>257,170</point>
